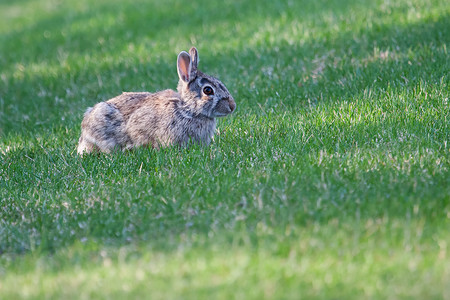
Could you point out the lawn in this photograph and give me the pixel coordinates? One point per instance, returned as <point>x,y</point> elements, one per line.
<point>330,181</point>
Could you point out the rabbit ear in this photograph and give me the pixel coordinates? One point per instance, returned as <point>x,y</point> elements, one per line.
<point>194,59</point>
<point>184,66</point>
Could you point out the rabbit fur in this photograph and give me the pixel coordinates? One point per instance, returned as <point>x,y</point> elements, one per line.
<point>159,119</point>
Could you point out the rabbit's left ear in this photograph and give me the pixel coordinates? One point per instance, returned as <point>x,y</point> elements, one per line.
<point>194,61</point>
<point>184,66</point>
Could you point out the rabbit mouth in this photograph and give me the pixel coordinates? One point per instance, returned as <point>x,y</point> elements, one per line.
<point>224,107</point>
<point>232,104</point>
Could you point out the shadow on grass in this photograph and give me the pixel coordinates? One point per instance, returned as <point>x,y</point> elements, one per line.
<point>323,69</point>
<point>118,24</point>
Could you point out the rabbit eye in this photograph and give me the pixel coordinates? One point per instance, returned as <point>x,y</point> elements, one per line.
<point>208,90</point>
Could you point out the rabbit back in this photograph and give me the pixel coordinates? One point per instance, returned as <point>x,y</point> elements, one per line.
<point>161,119</point>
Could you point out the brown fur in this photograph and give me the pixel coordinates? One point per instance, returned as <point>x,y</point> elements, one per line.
<point>160,119</point>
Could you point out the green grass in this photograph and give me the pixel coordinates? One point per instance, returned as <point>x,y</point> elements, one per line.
<point>330,181</point>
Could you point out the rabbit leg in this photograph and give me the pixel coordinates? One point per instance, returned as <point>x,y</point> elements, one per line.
<point>86,147</point>
<point>103,129</point>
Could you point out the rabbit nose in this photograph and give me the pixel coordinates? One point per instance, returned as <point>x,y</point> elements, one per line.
<point>232,104</point>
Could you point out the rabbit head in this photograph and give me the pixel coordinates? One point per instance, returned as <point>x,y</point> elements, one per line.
<point>203,95</point>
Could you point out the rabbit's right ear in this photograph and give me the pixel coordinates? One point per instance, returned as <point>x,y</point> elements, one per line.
<point>194,60</point>
<point>184,66</point>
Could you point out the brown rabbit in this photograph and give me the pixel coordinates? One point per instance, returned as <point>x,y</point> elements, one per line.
<point>159,119</point>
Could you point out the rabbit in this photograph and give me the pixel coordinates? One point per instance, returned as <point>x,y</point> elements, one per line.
<point>160,119</point>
